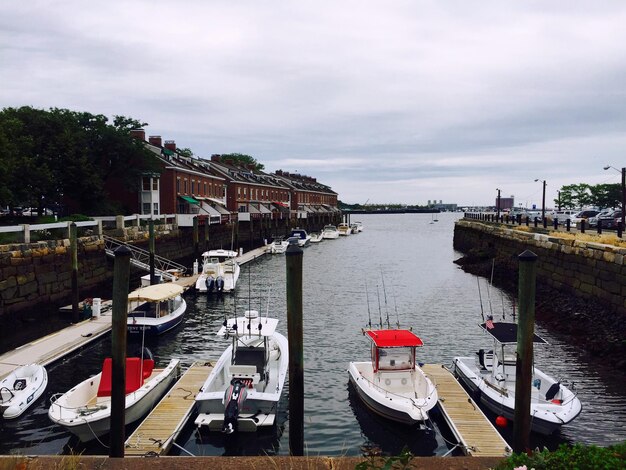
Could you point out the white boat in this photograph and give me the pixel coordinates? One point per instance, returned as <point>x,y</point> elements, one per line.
<point>21,388</point>
<point>359,226</point>
<point>303,237</point>
<point>330,232</point>
<point>316,237</point>
<point>85,410</point>
<point>243,389</point>
<point>392,384</point>
<point>279,245</point>
<point>490,375</point>
<point>220,271</point>
<point>344,229</point>
<point>155,309</point>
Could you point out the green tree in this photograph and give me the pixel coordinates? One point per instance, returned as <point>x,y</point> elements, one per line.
<point>245,160</point>
<point>583,195</point>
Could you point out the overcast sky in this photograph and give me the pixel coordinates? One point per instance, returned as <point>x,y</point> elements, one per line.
<point>387,101</point>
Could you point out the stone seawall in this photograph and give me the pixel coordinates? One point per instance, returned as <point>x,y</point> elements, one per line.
<point>587,270</point>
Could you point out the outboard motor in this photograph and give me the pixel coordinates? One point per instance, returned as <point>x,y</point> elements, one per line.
<point>210,284</point>
<point>233,398</point>
<point>219,284</point>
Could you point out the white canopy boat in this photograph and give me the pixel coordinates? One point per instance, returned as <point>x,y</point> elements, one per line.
<point>316,237</point>
<point>155,309</point>
<point>392,384</point>
<point>85,410</point>
<point>301,235</point>
<point>21,388</point>
<point>330,232</point>
<point>490,375</point>
<point>220,271</point>
<point>344,229</point>
<point>279,245</point>
<point>243,389</point>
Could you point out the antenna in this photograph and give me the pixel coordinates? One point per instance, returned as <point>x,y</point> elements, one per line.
<point>482,312</point>
<point>395,306</point>
<point>385,294</point>
<point>493,263</point>
<point>369,315</point>
<point>380,313</point>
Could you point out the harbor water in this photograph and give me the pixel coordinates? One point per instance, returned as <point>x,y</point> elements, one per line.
<point>405,262</point>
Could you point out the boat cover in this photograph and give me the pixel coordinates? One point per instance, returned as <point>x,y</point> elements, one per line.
<point>156,292</point>
<point>394,338</point>
<point>506,333</point>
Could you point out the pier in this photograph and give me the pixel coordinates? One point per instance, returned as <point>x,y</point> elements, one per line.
<point>157,433</point>
<point>472,429</point>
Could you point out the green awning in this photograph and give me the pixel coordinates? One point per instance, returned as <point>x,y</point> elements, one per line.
<point>190,200</point>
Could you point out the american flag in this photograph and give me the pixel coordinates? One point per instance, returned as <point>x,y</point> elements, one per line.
<point>489,323</point>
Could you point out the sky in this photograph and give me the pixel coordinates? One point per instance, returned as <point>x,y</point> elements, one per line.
<point>385,101</point>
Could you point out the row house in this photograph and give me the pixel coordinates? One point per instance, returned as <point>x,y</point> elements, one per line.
<point>251,193</point>
<point>308,197</point>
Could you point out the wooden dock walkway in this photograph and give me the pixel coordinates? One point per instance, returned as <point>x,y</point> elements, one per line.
<point>156,434</point>
<point>471,427</point>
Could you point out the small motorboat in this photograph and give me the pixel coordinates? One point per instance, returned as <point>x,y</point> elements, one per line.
<point>490,375</point>
<point>243,389</point>
<point>220,272</point>
<point>330,232</point>
<point>155,309</point>
<point>85,410</point>
<point>359,226</point>
<point>316,237</point>
<point>392,384</point>
<point>344,229</point>
<point>301,235</point>
<point>21,388</point>
<point>279,245</point>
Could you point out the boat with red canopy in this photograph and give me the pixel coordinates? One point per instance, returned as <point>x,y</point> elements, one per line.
<point>392,384</point>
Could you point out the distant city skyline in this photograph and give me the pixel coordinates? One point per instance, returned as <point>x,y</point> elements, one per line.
<point>384,102</point>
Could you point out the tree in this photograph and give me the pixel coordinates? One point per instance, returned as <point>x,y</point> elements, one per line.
<point>583,195</point>
<point>243,159</point>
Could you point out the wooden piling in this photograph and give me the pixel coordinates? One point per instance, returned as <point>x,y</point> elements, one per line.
<point>121,275</point>
<point>296,366</point>
<point>524,363</point>
<point>74,255</point>
<point>152,251</point>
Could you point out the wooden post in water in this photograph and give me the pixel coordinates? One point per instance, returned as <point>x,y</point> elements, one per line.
<point>296,365</point>
<point>524,364</point>
<point>74,252</point>
<point>195,237</point>
<point>121,275</point>
<point>152,250</point>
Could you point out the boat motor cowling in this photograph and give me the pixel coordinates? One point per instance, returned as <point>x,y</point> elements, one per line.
<point>210,283</point>
<point>219,284</point>
<point>234,398</point>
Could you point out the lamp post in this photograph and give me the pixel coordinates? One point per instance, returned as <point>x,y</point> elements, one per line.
<point>498,206</point>
<point>623,172</point>
<point>543,201</point>
<point>559,199</point>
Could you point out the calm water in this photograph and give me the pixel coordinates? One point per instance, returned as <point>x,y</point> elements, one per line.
<point>429,293</point>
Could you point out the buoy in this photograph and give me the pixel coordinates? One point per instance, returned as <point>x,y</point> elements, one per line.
<point>501,422</point>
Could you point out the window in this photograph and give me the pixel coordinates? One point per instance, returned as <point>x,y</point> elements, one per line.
<point>155,184</point>
<point>243,209</point>
<point>395,358</point>
<point>193,186</point>
<point>205,193</point>
<point>145,208</point>
<point>156,208</point>
<point>178,185</point>
<point>185,186</point>
<point>145,183</point>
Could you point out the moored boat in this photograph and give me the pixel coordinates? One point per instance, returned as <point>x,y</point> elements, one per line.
<point>278,246</point>
<point>220,271</point>
<point>330,232</point>
<point>344,229</point>
<point>20,389</point>
<point>392,384</point>
<point>242,391</point>
<point>316,237</point>
<point>303,237</point>
<point>155,309</point>
<point>85,410</point>
<point>491,376</point>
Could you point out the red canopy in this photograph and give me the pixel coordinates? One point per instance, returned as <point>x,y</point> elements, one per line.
<point>394,338</point>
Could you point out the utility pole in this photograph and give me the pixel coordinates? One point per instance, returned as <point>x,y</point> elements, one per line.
<point>498,206</point>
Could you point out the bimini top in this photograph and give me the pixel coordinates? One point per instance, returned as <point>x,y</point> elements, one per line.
<point>506,333</point>
<point>394,338</point>
<point>156,293</point>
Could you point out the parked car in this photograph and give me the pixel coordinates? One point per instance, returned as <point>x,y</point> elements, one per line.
<point>585,215</point>
<point>563,215</point>
<point>608,220</point>
<point>32,212</point>
<point>593,221</point>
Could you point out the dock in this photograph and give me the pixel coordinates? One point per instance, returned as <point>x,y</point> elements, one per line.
<point>477,436</point>
<point>156,434</point>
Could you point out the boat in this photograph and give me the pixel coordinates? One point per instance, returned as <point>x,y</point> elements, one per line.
<point>330,232</point>
<point>279,245</point>
<point>354,228</point>
<point>220,271</point>
<point>316,237</point>
<point>303,237</point>
<point>359,226</point>
<point>85,410</point>
<point>490,376</point>
<point>344,229</point>
<point>155,309</point>
<point>242,391</point>
<point>392,384</point>
<point>21,388</point>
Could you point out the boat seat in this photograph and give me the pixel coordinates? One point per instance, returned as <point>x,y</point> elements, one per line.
<point>134,379</point>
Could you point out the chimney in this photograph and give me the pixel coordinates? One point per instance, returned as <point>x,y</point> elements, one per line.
<point>155,140</point>
<point>170,145</point>
<point>216,158</point>
<point>138,134</point>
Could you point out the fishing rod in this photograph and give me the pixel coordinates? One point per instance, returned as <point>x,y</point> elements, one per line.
<point>395,306</point>
<point>369,315</point>
<point>482,312</point>
<point>385,294</point>
<point>380,313</point>
<point>489,288</point>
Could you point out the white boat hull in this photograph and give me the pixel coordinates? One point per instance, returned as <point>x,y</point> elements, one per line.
<point>230,278</point>
<point>402,396</point>
<point>499,395</point>
<point>20,389</point>
<point>88,417</point>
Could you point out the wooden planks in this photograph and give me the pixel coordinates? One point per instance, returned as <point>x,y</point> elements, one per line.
<point>467,421</point>
<point>159,430</point>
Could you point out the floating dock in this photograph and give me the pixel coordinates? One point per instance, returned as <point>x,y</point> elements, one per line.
<point>477,436</point>
<point>156,434</point>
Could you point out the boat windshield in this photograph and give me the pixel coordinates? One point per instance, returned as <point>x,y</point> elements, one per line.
<point>396,358</point>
